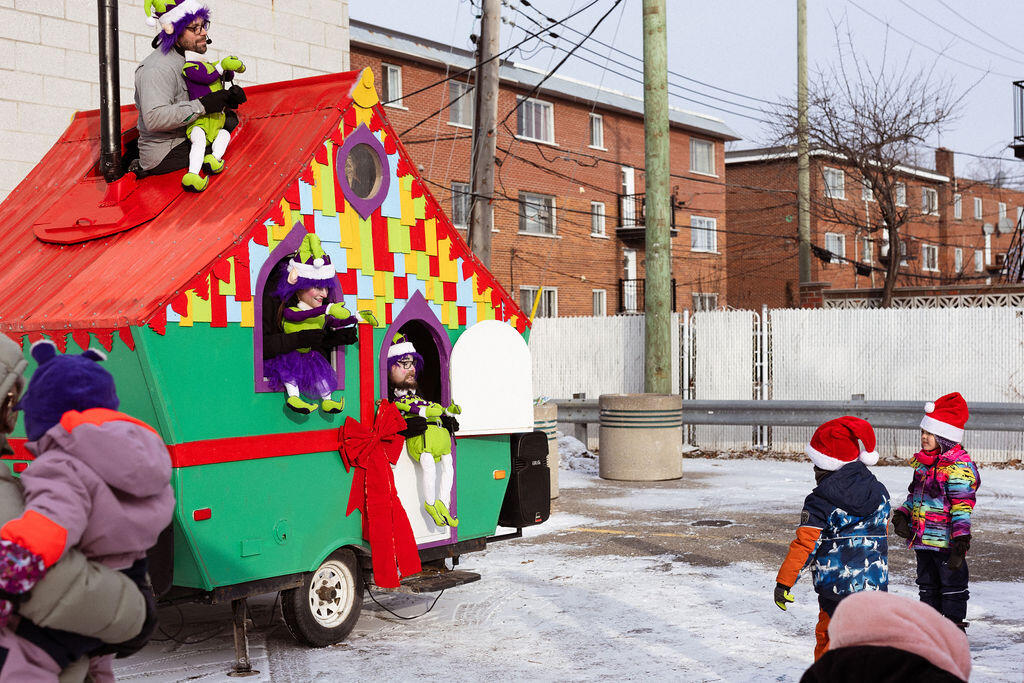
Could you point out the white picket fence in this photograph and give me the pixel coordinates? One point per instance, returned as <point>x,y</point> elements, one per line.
<point>802,354</point>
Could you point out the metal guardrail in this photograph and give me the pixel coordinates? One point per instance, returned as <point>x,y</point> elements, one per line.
<point>988,417</point>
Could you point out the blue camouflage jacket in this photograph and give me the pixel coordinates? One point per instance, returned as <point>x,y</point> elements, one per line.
<point>842,535</point>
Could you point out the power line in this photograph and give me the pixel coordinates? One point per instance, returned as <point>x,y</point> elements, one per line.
<point>954,33</point>
<point>968,21</point>
<point>927,47</point>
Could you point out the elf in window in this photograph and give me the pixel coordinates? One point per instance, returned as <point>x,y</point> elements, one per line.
<point>308,293</point>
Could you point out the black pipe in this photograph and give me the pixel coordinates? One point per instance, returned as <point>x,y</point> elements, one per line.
<point>110,92</point>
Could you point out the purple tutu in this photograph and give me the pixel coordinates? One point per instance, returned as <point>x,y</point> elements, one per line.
<point>310,371</point>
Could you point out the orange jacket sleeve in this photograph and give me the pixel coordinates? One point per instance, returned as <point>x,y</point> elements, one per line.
<point>799,550</point>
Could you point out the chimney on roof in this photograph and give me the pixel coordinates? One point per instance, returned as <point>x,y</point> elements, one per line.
<point>110,92</point>
<point>944,162</point>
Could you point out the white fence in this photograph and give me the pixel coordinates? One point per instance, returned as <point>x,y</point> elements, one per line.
<point>802,354</point>
<point>593,356</point>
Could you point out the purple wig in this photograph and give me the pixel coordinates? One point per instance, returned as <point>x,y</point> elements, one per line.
<point>286,290</point>
<point>167,40</point>
<point>417,359</point>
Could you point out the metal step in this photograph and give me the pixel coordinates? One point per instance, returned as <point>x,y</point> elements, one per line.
<point>433,581</point>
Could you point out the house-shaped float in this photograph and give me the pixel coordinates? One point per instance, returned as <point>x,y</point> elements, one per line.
<point>173,284</point>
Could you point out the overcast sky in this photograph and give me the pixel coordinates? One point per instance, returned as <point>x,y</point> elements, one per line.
<point>747,50</point>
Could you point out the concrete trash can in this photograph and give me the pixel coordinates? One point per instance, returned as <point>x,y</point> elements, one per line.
<point>641,437</point>
<point>545,419</point>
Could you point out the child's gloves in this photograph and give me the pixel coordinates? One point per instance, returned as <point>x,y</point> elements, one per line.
<point>338,310</point>
<point>958,549</point>
<point>782,596</point>
<point>901,525</point>
<point>236,96</point>
<point>450,423</point>
<point>20,570</point>
<point>454,409</point>
<point>434,410</point>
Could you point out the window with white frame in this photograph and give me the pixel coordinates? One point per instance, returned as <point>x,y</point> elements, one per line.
<point>930,257</point>
<point>703,234</point>
<point>835,183</point>
<point>704,302</point>
<point>1002,209</point>
<point>462,200</point>
<point>958,207</point>
<point>702,156</point>
<point>929,201</point>
<point>979,260</point>
<point>392,76</point>
<point>460,98</point>
<point>600,300</point>
<point>903,252</point>
<point>536,213</point>
<point>836,243</point>
<point>958,260</point>
<point>883,248</point>
<point>900,193</point>
<point>977,208</point>
<point>597,219</point>
<point>547,307</point>
<point>866,193</point>
<point>535,120</point>
<point>866,249</point>
<point>597,131</point>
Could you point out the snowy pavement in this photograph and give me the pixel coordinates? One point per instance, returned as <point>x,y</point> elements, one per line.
<point>593,595</point>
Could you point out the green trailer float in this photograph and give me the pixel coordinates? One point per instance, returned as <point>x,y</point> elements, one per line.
<point>175,287</point>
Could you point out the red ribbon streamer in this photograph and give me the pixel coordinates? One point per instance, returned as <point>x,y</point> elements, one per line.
<point>372,450</point>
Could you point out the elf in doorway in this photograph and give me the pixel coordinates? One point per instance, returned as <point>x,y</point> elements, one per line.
<point>404,364</point>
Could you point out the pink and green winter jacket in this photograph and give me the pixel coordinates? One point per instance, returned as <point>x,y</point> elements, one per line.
<point>941,497</point>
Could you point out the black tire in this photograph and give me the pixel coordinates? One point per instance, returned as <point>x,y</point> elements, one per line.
<point>325,608</point>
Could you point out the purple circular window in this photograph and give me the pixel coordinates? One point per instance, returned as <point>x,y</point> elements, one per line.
<point>363,174</point>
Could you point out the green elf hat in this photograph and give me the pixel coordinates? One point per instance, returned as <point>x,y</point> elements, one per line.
<point>311,262</point>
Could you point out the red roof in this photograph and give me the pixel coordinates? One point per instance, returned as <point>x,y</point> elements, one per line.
<point>125,278</point>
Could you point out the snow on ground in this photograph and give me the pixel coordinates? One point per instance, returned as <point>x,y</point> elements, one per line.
<point>544,612</point>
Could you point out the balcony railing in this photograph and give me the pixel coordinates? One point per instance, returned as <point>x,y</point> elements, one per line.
<point>631,295</point>
<point>632,217</point>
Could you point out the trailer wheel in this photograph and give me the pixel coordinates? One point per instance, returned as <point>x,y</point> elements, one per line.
<point>325,608</point>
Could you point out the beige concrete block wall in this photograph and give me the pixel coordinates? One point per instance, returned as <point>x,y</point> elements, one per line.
<point>49,65</point>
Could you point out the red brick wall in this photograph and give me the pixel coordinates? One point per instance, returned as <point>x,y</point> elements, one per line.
<point>574,262</point>
<point>762,262</point>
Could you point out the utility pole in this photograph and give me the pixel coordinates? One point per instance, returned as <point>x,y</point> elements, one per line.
<point>658,275</point>
<point>485,122</point>
<point>803,167</point>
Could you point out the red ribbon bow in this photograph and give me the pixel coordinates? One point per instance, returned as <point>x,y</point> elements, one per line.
<point>372,450</point>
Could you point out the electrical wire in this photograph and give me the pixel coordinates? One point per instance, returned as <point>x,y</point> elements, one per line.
<point>401,616</point>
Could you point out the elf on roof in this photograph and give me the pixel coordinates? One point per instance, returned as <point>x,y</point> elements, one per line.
<point>171,284</point>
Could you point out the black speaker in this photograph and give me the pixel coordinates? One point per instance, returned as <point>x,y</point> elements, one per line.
<point>528,496</point>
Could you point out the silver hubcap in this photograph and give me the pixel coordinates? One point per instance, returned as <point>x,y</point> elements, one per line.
<point>330,594</point>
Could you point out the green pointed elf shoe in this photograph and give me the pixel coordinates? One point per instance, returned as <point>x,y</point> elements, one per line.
<point>330,406</point>
<point>193,182</point>
<point>300,406</point>
<point>213,163</point>
<point>448,519</point>
<point>434,514</point>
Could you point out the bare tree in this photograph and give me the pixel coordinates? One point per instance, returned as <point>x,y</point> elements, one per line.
<point>874,120</point>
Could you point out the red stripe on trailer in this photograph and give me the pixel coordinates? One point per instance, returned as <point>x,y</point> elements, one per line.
<point>234,449</point>
<point>365,372</point>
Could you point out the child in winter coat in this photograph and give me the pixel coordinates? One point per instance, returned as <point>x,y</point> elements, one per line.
<point>100,482</point>
<point>936,516</point>
<point>842,532</point>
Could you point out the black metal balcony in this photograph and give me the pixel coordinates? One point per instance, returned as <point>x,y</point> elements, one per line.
<point>1018,119</point>
<point>632,221</point>
<point>631,295</point>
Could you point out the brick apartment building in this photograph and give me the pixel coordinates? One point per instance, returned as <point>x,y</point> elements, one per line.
<point>568,212</point>
<point>958,232</point>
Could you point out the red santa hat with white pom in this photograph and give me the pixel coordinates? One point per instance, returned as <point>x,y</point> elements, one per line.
<point>946,417</point>
<point>839,442</point>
